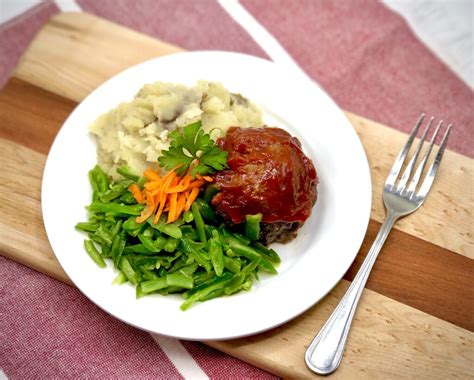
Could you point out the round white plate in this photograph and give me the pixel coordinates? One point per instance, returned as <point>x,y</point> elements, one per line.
<point>311,264</point>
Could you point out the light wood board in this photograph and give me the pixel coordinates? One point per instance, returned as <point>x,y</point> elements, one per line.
<point>389,339</point>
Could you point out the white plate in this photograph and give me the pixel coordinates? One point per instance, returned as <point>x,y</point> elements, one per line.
<point>311,264</point>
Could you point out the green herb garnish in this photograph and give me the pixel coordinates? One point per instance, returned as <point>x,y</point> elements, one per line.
<point>194,151</point>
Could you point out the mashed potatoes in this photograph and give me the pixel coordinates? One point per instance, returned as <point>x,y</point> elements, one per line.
<point>135,133</point>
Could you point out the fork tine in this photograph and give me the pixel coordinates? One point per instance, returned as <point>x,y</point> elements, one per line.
<point>395,171</point>
<point>426,186</point>
<point>419,170</point>
<point>409,169</point>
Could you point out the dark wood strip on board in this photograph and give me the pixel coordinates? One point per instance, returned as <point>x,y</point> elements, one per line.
<point>409,269</point>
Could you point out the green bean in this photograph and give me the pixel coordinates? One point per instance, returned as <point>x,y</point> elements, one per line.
<point>141,182</point>
<point>87,226</point>
<point>104,235</point>
<point>252,226</point>
<point>188,216</point>
<point>131,224</point>
<point>211,190</point>
<point>170,229</point>
<point>201,277</point>
<point>171,290</point>
<point>139,293</point>
<point>206,211</point>
<point>149,274</point>
<point>214,294</point>
<point>161,272</point>
<point>187,247</point>
<point>128,198</point>
<point>110,217</point>
<point>153,285</point>
<point>105,251</point>
<point>171,245</point>
<point>98,179</point>
<point>191,235</point>
<point>93,182</point>
<point>118,246</point>
<point>205,284</point>
<point>232,265</point>
<point>116,229</point>
<point>235,238</point>
<point>269,253</point>
<point>186,229</point>
<point>216,254</point>
<point>251,254</point>
<point>178,279</point>
<point>115,208</point>
<point>126,172</point>
<point>97,239</point>
<point>235,284</point>
<point>137,248</point>
<point>148,232</point>
<point>127,269</point>
<point>94,253</point>
<point>110,195</point>
<point>189,270</point>
<point>120,279</point>
<point>199,222</point>
<point>160,243</point>
<point>202,293</point>
<point>147,242</point>
<point>250,267</point>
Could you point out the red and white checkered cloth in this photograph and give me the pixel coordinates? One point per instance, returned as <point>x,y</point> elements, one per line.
<point>363,54</point>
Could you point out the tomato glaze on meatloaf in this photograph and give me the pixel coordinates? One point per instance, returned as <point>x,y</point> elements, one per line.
<point>268,173</point>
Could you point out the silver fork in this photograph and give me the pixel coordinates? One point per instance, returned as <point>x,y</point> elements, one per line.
<point>324,354</point>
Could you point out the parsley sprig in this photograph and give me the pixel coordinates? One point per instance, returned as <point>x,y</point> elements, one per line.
<point>194,151</point>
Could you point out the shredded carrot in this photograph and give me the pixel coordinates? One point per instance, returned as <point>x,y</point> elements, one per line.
<point>182,185</point>
<point>172,211</point>
<point>152,175</point>
<point>204,177</point>
<point>192,197</point>
<point>152,185</point>
<point>171,193</point>
<point>198,183</point>
<point>136,192</point>
<point>181,203</point>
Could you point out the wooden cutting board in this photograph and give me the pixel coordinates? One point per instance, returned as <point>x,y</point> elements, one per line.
<point>415,318</point>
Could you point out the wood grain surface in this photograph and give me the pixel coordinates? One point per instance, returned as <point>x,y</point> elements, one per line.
<point>413,319</point>
<point>389,338</point>
<point>447,214</point>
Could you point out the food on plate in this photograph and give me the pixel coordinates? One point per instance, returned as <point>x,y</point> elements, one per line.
<point>189,190</point>
<point>163,240</point>
<point>268,174</point>
<point>135,133</point>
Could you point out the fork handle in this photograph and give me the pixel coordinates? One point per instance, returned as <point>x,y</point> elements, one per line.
<point>324,354</point>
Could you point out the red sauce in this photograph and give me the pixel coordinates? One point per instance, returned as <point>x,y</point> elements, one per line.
<point>268,173</point>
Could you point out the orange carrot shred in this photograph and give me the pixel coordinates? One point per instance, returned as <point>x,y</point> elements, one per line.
<point>160,210</point>
<point>137,193</point>
<point>171,193</point>
<point>197,183</point>
<point>182,185</point>
<point>180,205</point>
<point>172,211</point>
<point>152,185</point>
<point>152,175</point>
<point>146,213</point>
<point>191,199</point>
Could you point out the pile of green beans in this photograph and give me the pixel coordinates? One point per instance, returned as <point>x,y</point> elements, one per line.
<point>196,256</point>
